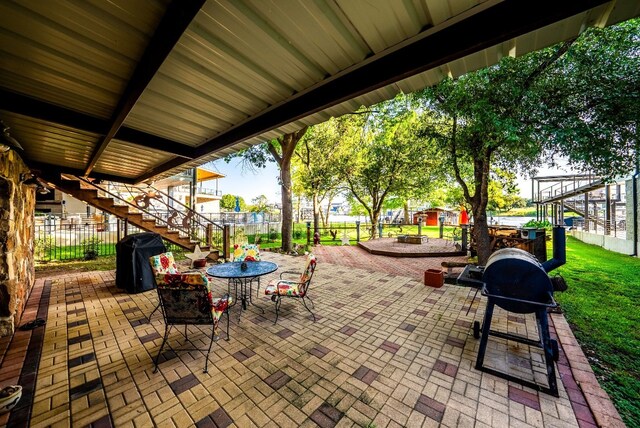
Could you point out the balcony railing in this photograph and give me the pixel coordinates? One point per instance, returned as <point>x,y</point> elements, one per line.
<point>199,190</point>
<point>207,191</point>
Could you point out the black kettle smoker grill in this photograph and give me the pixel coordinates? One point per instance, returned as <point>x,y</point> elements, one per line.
<point>514,280</point>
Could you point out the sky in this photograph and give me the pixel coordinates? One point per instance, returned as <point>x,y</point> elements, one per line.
<point>240,181</point>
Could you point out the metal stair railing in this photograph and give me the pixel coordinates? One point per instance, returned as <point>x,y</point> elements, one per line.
<point>573,206</point>
<point>187,222</point>
<point>568,186</point>
<point>200,227</point>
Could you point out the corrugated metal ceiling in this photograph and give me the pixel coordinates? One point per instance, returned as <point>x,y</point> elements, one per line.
<point>235,61</point>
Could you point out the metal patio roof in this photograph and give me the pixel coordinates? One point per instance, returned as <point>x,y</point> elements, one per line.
<point>131,90</point>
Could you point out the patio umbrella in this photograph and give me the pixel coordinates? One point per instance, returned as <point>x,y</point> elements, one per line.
<point>237,208</point>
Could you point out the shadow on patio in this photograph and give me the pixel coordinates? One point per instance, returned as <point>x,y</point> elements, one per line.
<point>385,351</point>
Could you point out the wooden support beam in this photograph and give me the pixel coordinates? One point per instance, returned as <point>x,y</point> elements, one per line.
<point>175,21</point>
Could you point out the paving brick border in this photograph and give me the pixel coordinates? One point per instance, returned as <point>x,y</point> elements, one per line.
<point>37,307</point>
<point>583,378</point>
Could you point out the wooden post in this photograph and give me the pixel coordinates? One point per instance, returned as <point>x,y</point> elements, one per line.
<point>226,241</point>
<point>209,235</point>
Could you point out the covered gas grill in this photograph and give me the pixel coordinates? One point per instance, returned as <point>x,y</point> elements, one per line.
<point>515,281</point>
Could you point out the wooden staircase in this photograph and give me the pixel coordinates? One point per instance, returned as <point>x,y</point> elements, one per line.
<point>122,209</point>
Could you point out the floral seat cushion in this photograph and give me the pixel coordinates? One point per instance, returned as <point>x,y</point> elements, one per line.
<point>167,276</point>
<point>163,263</point>
<point>283,287</point>
<point>309,267</point>
<point>246,253</point>
<point>219,305</point>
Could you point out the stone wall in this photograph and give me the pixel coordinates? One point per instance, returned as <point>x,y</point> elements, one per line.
<point>17,207</point>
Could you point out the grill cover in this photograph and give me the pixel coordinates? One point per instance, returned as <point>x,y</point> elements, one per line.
<point>133,270</point>
<point>515,274</point>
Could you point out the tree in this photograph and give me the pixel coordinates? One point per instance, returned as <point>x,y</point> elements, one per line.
<point>315,165</point>
<point>478,119</point>
<point>383,155</point>
<point>503,191</point>
<point>578,99</point>
<point>587,106</point>
<point>281,151</point>
<point>259,204</point>
<point>228,202</point>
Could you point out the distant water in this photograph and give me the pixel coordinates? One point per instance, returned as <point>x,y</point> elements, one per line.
<point>511,221</point>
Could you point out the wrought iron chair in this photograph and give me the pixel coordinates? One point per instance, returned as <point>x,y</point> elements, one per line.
<point>186,299</point>
<point>247,253</point>
<point>298,289</point>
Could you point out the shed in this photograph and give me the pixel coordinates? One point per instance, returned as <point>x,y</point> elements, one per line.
<point>431,216</point>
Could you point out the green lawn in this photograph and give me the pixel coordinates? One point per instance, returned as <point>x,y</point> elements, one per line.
<point>76,252</point>
<point>300,234</point>
<point>602,305</point>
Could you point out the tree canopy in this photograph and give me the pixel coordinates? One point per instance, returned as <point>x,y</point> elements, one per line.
<point>228,202</point>
<point>315,165</point>
<point>578,99</point>
<point>385,155</point>
<point>587,106</point>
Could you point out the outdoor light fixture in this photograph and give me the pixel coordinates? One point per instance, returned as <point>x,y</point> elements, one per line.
<point>7,142</point>
<point>31,180</point>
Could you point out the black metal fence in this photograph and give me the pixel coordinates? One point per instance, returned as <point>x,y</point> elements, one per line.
<point>80,241</point>
<point>75,241</point>
<point>254,232</point>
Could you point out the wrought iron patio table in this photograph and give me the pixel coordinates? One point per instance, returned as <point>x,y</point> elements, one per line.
<point>242,279</point>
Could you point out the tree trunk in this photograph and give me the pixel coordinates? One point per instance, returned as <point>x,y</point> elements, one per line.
<point>481,235</point>
<point>407,220</point>
<point>288,144</point>
<point>375,215</point>
<point>478,200</point>
<point>329,199</point>
<point>287,206</point>
<point>479,203</point>
<point>316,213</point>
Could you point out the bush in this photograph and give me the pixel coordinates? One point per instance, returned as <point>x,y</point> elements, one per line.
<point>91,247</point>
<point>273,235</point>
<point>539,224</point>
<point>43,247</point>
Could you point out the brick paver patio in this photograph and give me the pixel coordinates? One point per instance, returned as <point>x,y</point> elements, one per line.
<point>386,351</point>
